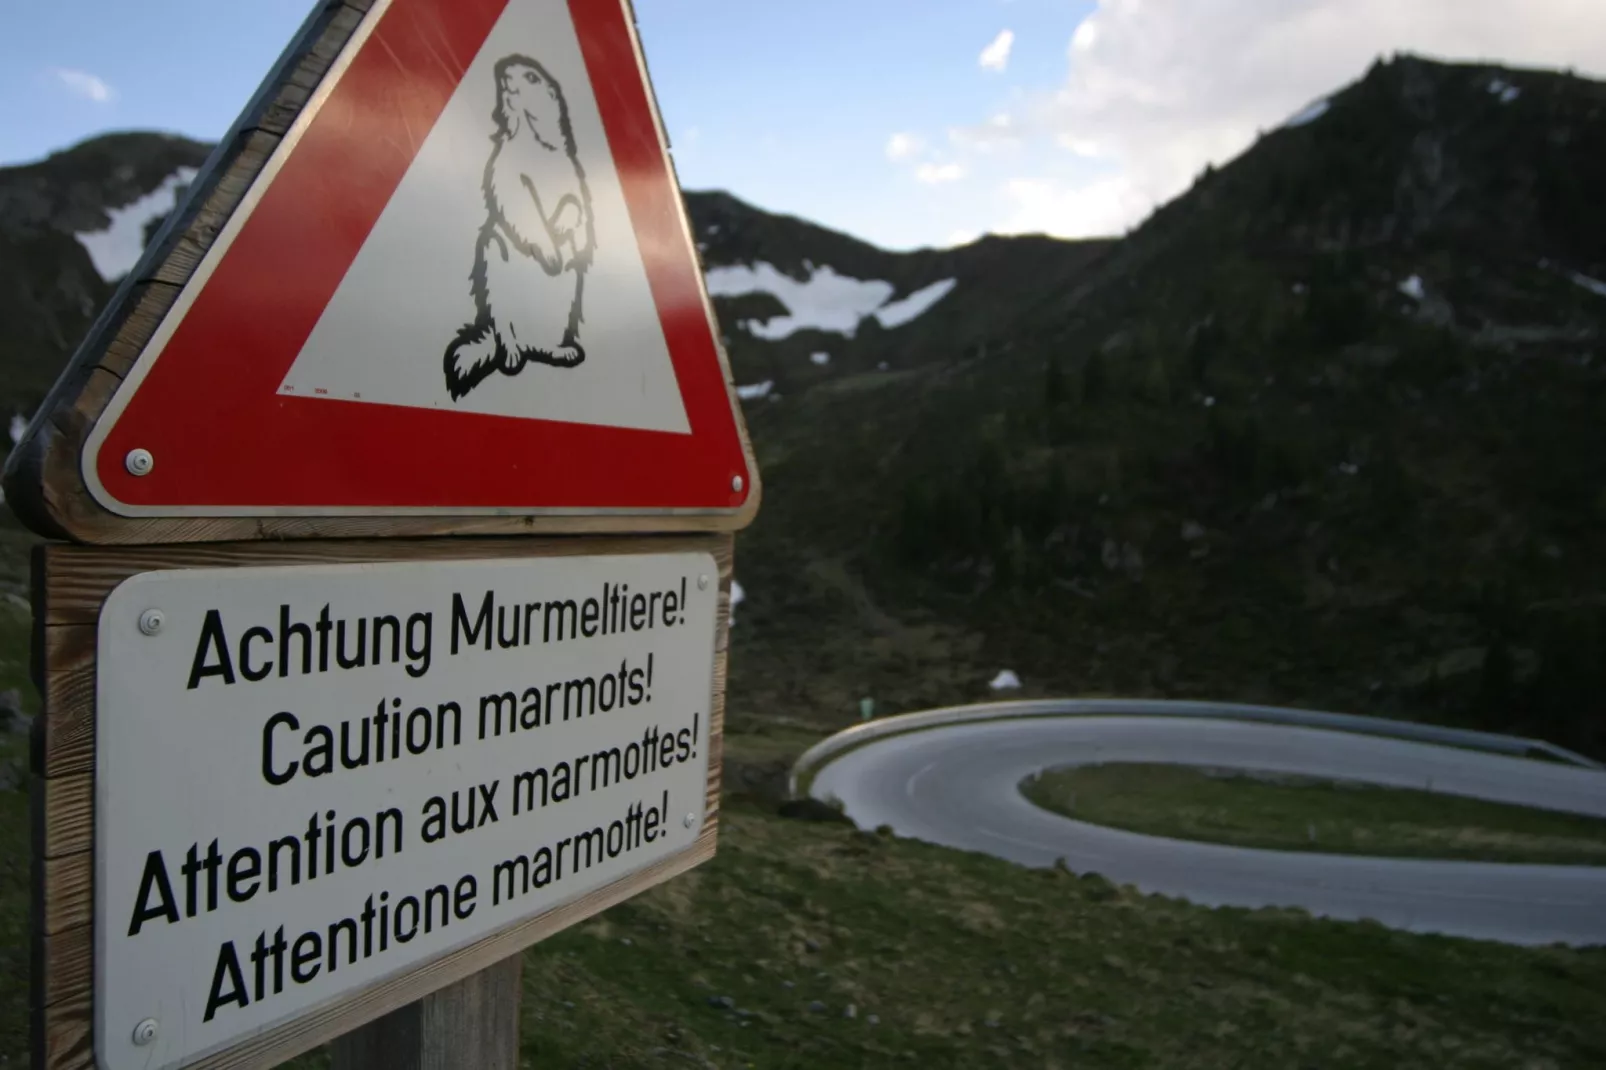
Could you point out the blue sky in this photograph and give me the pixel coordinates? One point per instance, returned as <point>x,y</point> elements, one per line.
<point>877,117</point>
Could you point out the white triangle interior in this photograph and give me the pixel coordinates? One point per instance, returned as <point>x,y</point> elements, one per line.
<point>384,336</point>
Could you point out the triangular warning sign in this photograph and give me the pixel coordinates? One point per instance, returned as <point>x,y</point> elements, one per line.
<point>460,283</point>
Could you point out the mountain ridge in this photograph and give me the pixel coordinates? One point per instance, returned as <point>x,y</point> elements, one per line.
<point>1323,430</point>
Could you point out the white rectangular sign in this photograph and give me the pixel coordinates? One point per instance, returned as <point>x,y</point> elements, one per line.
<point>311,778</point>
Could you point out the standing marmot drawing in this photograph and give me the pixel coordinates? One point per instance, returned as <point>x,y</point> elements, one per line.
<point>537,240</point>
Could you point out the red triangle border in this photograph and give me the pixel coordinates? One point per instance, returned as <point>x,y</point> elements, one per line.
<point>225,442</point>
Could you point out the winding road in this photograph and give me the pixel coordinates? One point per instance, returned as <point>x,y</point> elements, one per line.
<point>958,785</point>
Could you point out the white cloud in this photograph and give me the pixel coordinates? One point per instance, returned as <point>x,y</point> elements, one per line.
<point>998,132</point>
<point>1080,146</point>
<point>1086,36</point>
<point>995,57</point>
<point>85,85</point>
<point>1156,89</point>
<point>936,173</point>
<point>1104,206</point>
<point>902,146</point>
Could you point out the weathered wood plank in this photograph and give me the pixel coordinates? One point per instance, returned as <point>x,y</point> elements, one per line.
<point>250,154</point>
<point>338,22</point>
<point>69,814</point>
<point>474,1022</point>
<point>67,963</point>
<point>64,1034</point>
<point>68,892</point>
<point>148,302</point>
<point>68,718</point>
<point>87,522</point>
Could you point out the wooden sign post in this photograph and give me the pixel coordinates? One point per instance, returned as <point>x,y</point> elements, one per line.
<point>312,765</point>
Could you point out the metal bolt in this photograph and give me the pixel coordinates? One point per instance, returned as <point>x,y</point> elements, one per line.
<point>145,1032</point>
<point>139,462</point>
<point>691,819</point>
<point>736,484</point>
<point>702,583</point>
<point>150,621</point>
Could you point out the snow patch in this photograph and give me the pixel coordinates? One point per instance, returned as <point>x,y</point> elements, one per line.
<point>1504,90</point>
<point>1006,680</point>
<point>18,425</point>
<point>821,359</point>
<point>1309,113</point>
<point>900,312</point>
<point>116,249</point>
<point>737,594</point>
<point>755,390</point>
<point>1413,288</point>
<point>826,301</point>
<point>1594,286</point>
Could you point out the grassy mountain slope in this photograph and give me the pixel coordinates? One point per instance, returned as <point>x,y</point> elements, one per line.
<point>1231,458</point>
<point>1324,430</point>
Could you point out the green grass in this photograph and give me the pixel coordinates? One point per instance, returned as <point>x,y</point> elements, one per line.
<point>1302,814</point>
<point>965,961</point>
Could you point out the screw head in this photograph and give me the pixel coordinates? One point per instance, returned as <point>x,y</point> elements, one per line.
<point>139,462</point>
<point>737,484</point>
<point>151,621</point>
<point>691,819</point>
<point>145,1032</point>
<point>702,583</point>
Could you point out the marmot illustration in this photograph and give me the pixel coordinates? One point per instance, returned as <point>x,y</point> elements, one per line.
<point>536,244</point>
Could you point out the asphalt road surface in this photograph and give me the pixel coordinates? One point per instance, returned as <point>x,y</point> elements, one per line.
<point>958,785</point>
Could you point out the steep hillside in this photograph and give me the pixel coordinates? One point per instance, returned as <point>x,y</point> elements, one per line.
<point>71,226</point>
<point>787,290</point>
<point>1325,430</point>
<point>1328,429</point>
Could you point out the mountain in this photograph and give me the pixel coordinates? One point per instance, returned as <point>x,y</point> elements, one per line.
<point>70,226</point>
<point>861,305</point>
<point>1325,430</point>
